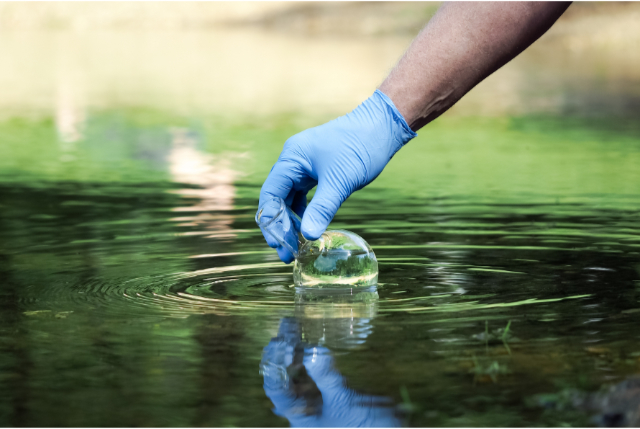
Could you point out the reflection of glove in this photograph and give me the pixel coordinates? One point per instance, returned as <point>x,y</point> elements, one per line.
<point>340,406</point>
<point>341,156</point>
<point>278,354</point>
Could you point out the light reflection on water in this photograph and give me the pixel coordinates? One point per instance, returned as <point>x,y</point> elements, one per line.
<point>563,278</point>
<point>133,277</point>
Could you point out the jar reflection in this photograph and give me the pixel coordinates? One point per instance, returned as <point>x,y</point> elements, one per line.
<point>298,367</point>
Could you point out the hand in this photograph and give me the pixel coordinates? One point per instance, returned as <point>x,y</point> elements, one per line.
<point>306,389</point>
<point>340,157</point>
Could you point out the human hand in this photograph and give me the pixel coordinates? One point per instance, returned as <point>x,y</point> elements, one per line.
<point>340,157</point>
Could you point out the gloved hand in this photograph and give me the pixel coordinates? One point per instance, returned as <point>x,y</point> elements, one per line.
<point>341,157</point>
<point>298,402</point>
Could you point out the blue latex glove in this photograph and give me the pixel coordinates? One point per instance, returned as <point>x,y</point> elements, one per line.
<point>340,157</point>
<point>339,406</point>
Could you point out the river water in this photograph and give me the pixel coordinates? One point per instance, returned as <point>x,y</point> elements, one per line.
<point>136,289</point>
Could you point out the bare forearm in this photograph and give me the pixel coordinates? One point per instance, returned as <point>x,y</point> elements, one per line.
<point>461,45</point>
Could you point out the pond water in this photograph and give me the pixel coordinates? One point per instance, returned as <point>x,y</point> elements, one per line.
<point>137,290</point>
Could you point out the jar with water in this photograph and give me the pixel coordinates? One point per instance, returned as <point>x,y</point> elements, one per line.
<point>338,259</point>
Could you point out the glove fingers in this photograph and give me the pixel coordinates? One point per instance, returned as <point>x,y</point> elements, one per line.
<point>319,365</point>
<point>299,204</point>
<point>281,183</point>
<point>320,211</point>
<point>266,212</point>
<point>269,239</point>
<point>285,255</point>
<point>284,179</point>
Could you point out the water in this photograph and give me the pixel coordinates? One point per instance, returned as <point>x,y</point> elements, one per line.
<point>156,296</point>
<point>337,259</point>
<point>336,268</point>
<point>135,289</point>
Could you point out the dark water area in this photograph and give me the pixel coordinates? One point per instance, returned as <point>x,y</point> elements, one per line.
<point>137,290</point>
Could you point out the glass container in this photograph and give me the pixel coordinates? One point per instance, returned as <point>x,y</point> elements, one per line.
<point>338,259</point>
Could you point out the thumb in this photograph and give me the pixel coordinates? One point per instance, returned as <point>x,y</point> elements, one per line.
<point>320,211</point>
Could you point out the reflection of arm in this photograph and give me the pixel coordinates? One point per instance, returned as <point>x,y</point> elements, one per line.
<point>306,389</point>
<point>463,44</point>
<point>339,406</point>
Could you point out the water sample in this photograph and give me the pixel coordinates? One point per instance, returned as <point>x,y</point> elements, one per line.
<point>338,259</point>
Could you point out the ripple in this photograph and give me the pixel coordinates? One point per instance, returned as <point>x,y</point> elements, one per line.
<point>227,291</point>
<point>447,256</point>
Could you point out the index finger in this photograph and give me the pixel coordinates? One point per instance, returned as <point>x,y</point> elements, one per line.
<point>280,182</point>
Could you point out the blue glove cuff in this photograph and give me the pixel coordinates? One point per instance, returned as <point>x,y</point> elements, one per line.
<point>403,131</point>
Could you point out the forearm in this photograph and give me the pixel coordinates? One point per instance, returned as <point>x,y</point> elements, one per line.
<point>460,46</point>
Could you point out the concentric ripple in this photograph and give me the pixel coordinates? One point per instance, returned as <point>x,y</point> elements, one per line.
<point>460,259</point>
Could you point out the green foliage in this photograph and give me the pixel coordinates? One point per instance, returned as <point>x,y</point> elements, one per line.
<point>491,368</point>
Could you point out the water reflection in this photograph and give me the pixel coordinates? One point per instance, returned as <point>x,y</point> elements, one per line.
<point>298,366</point>
<point>70,116</point>
<point>213,180</point>
<point>511,270</point>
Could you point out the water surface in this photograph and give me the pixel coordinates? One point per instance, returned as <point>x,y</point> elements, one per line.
<point>137,291</point>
